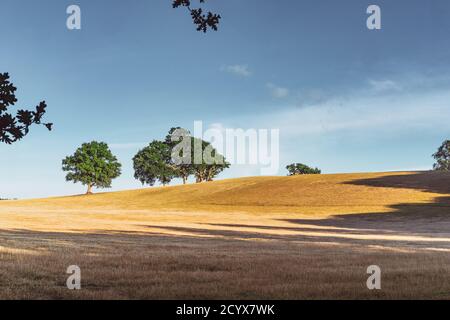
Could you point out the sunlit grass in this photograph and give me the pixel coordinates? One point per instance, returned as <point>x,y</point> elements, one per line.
<point>265,237</point>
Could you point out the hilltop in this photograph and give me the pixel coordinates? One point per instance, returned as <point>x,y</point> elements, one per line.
<point>275,194</point>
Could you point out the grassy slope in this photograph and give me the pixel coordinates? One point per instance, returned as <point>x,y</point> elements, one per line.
<point>269,237</point>
<point>276,194</point>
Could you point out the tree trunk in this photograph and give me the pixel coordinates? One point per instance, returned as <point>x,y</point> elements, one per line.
<point>184,180</point>
<point>89,190</point>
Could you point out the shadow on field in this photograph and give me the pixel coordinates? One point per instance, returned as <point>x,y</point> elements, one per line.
<point>421,225</point>
<point>356,236</point>
<point>410,225</point>
<point>130,265</point>
<point>429,218</point>
<point>427,181</point>
<point>352,230</point>
<point>412,219</point>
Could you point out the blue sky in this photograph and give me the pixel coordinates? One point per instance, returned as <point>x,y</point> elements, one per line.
<point>345,99</point>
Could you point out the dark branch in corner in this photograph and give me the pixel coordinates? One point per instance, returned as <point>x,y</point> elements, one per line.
<point>15,127</point>
<point>204,21</point>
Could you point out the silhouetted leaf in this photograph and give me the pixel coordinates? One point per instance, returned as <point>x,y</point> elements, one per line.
<point>15,128</point>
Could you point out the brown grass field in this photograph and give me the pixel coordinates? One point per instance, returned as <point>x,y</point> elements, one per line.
<point>305,237</point>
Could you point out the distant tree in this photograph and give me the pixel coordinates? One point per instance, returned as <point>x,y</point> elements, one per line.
<point>173,139</point>
<point>175,158</point>
<point>208,169</point>
<point>152,164</point>
<point>204,169</point>
<point>203,21</point>
<point>14,128</point>
<point>93,164</point>
<point>442,157</point>
<point>301,169</point>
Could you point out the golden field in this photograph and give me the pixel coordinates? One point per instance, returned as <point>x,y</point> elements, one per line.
<point>304,237</point>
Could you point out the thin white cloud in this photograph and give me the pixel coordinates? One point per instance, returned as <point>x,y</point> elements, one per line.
<point>315,96</point>
<point>277,92</point>
<point>383,114</point>
<point>384,85</point>
<point>399,106</point>
<point>238,69</point>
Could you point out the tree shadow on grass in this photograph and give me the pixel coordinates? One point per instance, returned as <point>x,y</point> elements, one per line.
<point>117,265</point>
<point>427,181</point>
<point>313,236</point>
<point>157,237</point>
<point>426,220</point>
<point>414,218</point>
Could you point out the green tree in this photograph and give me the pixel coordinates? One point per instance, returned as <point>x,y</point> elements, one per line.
<point>442,157</point>
<point>14,128</point>
<point>152,164</point>
<point>207,162</point>
<point>176,157</point>
<point>93,164</point>
<point>301,169</point>
<point>194,156</point>
<point>183,169</point>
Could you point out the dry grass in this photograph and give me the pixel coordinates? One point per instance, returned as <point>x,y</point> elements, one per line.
<point>278,237</point>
